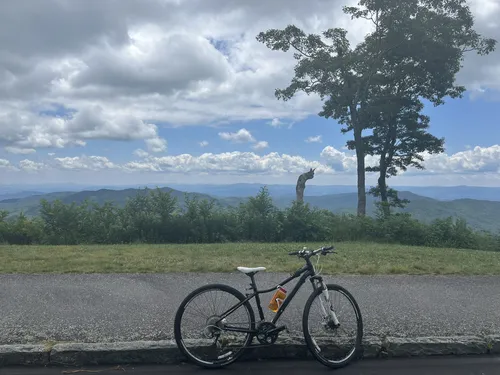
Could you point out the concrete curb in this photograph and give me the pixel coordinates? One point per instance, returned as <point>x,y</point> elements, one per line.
<point>166,352</point>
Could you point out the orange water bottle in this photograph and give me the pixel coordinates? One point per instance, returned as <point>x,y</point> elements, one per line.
<point>278,298</point>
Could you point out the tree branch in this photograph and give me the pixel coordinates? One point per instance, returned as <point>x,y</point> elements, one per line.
<point>299,50</point>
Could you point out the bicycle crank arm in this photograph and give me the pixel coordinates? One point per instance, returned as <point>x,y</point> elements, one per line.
<point>276,330</point>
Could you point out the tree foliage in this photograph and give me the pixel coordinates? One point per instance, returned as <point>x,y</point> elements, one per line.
<point>420,43</point>
<point>399,139</point>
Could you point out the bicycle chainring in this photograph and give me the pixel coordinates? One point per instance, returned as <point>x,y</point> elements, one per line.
<point>263,335</point>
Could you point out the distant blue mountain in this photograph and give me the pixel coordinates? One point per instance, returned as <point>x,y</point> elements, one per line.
<point>18,195</point>
<point>443,193</point>
<point>245,190</point>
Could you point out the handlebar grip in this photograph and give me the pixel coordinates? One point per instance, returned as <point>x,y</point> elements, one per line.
<point>328,248</point>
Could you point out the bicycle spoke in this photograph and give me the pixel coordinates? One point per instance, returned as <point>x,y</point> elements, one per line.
<point>333,344</point>
<point>203,333</point>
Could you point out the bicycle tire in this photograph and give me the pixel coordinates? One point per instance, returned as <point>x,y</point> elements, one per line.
<point>307,336</point>
<point>177,326</point>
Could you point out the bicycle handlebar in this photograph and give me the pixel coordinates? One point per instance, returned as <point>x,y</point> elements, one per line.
<point>308,253</point>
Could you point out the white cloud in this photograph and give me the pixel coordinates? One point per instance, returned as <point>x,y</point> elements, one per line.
<point>173,62</point>
<point>474,160</point>
<point>260,145</point>
<point>343,161</point>
<point>24,130</point>
<point>241,136</point>
<point>229,163</point>
<point>464,167</point>
<point>477,159</point>
<point>203,144</point>
<point>85,163</point>
<point>315,139</point>
<point>276,123</point>
<point>93,122</point>
<point>31,166</point>
<point>4,163</point>
<point>156,144</point>
<point>20,151</point>
<point>141,68</point>
<point>141,166</point>
<point>141,153</point>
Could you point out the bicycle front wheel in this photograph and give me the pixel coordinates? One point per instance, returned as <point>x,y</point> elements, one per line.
<point>333,343</point>
<point>202,337</point>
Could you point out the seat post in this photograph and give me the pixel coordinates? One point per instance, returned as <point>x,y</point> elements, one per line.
<point>252,280</point>
<point>257,297</point>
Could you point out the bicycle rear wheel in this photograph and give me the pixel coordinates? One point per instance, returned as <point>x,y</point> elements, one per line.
<point>205,342</point>
<point>330,344</point>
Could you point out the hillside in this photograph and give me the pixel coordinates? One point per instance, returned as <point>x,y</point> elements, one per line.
<point>241,190</point>
<point>30,205</point>
<point>17,195</point>
<point>480,214</point>
<point>445,193</point>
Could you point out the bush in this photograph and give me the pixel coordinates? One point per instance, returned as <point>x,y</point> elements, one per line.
<point>156,217</point>
<point>403,229</point>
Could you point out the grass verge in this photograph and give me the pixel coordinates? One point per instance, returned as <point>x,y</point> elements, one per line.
<point>352,258</point>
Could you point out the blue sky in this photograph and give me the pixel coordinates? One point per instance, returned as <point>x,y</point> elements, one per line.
<point>137,106</point>
<point>463,122</point>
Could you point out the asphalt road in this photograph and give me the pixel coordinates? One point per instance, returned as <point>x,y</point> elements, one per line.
<point>424,366</point>
<point>91,308</point>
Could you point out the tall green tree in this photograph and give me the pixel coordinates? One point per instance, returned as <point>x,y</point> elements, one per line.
<point>400,137</point>
<point>425,39</point>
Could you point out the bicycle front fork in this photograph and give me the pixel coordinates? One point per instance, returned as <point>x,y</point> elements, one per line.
<point>328,314</point>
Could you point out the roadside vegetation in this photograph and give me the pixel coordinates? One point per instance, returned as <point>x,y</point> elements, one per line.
<point>156,218</point>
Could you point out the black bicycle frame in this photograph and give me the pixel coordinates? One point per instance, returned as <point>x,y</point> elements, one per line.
<point>306,271</point>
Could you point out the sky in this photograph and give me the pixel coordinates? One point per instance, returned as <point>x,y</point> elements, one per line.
<point>180,91</point>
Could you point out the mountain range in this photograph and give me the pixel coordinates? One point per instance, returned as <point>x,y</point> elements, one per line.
<point>445,193</point>
<point>482,214</point>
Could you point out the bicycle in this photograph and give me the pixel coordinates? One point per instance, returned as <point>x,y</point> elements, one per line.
<point>216,325</point>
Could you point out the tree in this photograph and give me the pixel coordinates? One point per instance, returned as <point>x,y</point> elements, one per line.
<point>425,39</point>
<point>399,138</point>
<point>258,216</point>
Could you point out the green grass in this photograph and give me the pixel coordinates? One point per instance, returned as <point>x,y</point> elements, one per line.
<point>352,258</point>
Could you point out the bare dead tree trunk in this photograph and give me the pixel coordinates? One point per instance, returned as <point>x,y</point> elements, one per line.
<point>301,184</point>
